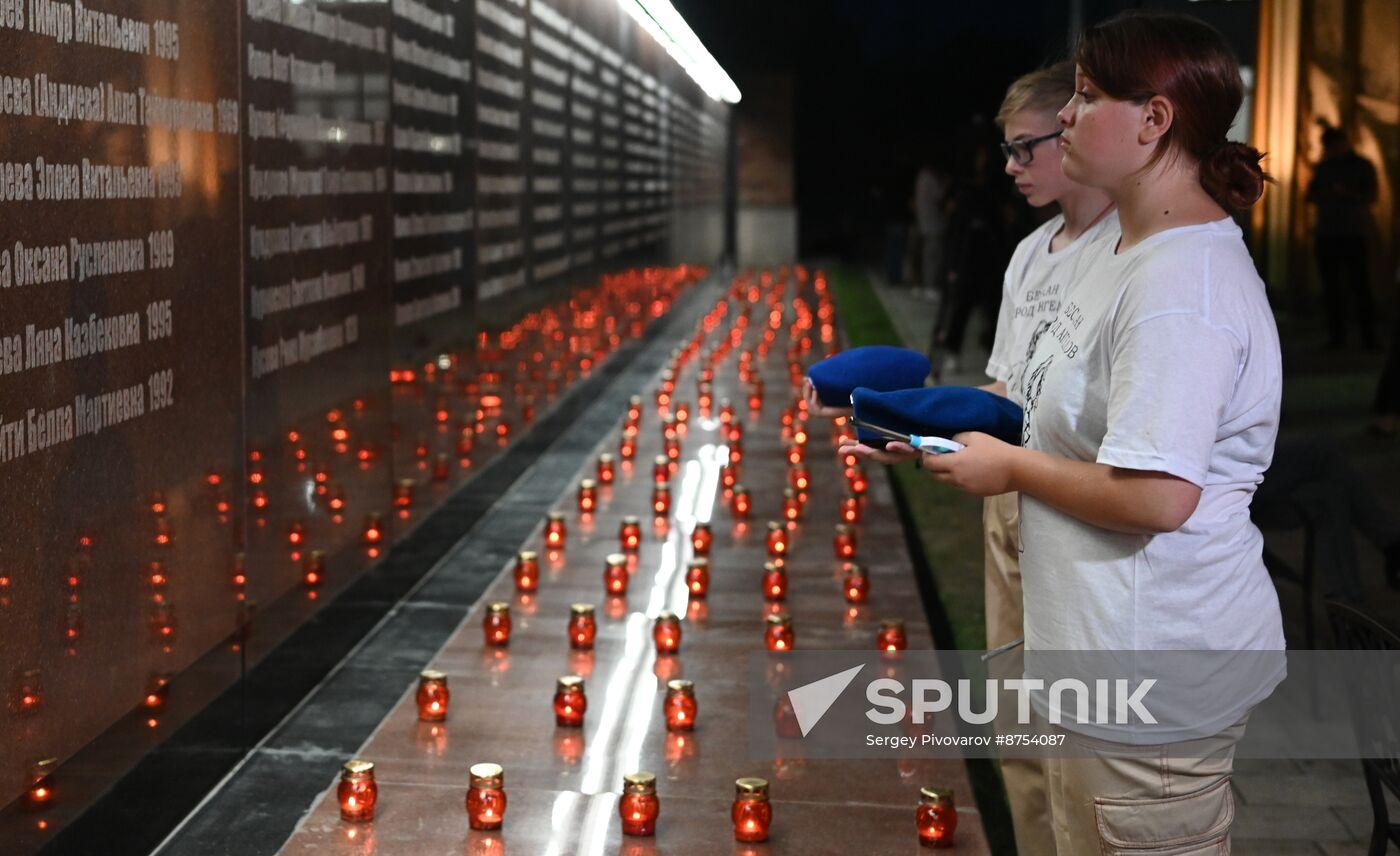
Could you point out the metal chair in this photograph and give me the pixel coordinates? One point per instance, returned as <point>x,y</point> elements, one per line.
<point>1354,630</point>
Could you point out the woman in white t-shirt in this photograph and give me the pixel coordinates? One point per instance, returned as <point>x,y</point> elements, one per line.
<point>1152,407</point>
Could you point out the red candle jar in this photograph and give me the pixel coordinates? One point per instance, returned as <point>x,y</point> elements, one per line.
<point>373,532</point>
<point>606,470</point>
<point>486,797</point>
<point>357,792</point>
<point>661,500</point>
<point>859,484</point>
<point>39,794</point>
<point>669,430</point>
<point>661,470</point>
<point>792,504</point>
<point>639,806</point>
<point>726,411</point>
<point>850,509</point>
<point>314,567</point>
<point>856,584</point>
<point>587,495</point>
<point>433,696</point>
<point>779,636</point>
<point>615,576</point>
<point>774,581</point>
<point>634,409</point>
<point>582,626</point>
<point>697,577</point>
<point>403,493</point>
<point>800,477</point>
<point>740,503</point>
<point>496,624</point>
<point>777,539</point>
<point>680,708</point>
<point>569,702</point>
<point>701,538</point>
<point>673,449</point>
<point>666,633</point>
<point>682,413</point>
<point>627,448</point>
<point>555,531</point>
<point>527,571</point>
<point>735,432</point>
<point>756,395</point>
<point>752,814</point>
<point>891,636</point>
<point>795,455</point>
<point>442,467</point>
<point>937,817</point>
<point>629,533</point>
<point>729,476</point>
<point>845,541</point>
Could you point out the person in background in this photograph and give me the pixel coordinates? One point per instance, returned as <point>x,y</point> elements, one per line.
<point>1343,188</point>
<point>1152,409</point>
<point>930,196</point>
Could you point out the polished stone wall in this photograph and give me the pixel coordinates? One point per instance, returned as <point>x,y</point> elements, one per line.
<point>256,261</point>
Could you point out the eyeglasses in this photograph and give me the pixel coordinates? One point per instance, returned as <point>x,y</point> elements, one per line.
<point>1023,151</point>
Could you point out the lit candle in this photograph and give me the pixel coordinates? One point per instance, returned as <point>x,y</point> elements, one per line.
<point>701,538</point>
<point>39,794</point>
<point>486,797</point>
<point>373,531</point>
<point>554,531</point>
<point>859,484</point>
<point>615,576</point>
<point>496,624</point>
<point>777,539</point>
<point>735,432</point>
<point>630,533</point>
<point>442,467</point>
<point>697,577</point>
<point>403,493</point>
<point>850,509</point>
<point>527,571</point>
<point>634,409</point>
<point>569,701</point>
<point>682,413</point>
<point>357,792</point>
<point>666,632</point>
<point>792,504</point>
<point>29,695</point>
<point>627,448</point>
<point>583,628</point>
<point>606,470</point>
<point>795,455</point>
<point>726,411</point>
<point>937,817</point>
<point>314,567</point>
<point>752,813</point>
<point>779,636</point>
<point>433,696</point>
<point>639,806</point>
<point>673,449</point>
<point>729,475</point>
<point>661,470</point>
<point>774,581</point>
<point>669,429</point>
<point>844,543</point>
<point>587,495</point>
<point>891,636</point>
<point>856,584</point>
<point>800,477</point>
<point>661,500</point>
<point>740,503</point>
<point>680,708</point>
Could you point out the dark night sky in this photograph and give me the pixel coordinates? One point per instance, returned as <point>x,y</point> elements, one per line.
<point>881,84</point>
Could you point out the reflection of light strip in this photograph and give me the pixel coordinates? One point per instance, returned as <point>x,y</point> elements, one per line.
<point>614,697</point>
<point>594,836</point>
<point>665,24</point>
<point>638,719</point>
<point>560,830</point>
<point>665,573</point>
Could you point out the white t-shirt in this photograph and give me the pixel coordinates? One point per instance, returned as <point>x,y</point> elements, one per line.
<point>1031,291</point>
<point>1165,358</point>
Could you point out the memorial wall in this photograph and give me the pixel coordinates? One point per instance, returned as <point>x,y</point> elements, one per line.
<point>256,261</point>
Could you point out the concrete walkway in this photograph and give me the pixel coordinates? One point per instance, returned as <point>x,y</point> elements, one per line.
<point>1283,807</point>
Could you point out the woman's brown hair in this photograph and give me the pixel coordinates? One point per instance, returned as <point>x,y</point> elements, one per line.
<point>1136,55</point>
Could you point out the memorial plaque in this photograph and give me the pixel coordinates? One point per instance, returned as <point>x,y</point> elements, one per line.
<point>317,219</point>
<point>502,193</point>
<point>119,361</point>
<point>548,140</point>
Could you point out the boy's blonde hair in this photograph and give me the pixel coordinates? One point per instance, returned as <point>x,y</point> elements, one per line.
<point>1047,89</point>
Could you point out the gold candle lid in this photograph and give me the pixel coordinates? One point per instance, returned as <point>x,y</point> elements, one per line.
<point>681,686</point>
<point>789,493</point>
<point>663,487</point>
<point>770,567</point>
<point>487,775</point>
<point>666,616</point>
<point>432,675</point>
<point>738,488</point>
<point>587,484</point>
<point>631,520</point>
<point>855,570</point>
<point>842,528</point>
<point>702,526</point>
<point>615,559</point>
<point>606,457</point>
<point>639,783</point>
<point>891,623</point>
<point>527,555</point>
<point>48,765</point>
<point>935,795</point>
<point>498,608</point>
<point>407,483</point>
<point>571,682</point>
<point>357,768</point>
<point>662,460</point>
<point>555,515</point>
<point>581,609</point>
<point>751,788</point>
<point>636,399</point>
<point>774,525</point>
<point>780,619</point>
<point>698,562</point>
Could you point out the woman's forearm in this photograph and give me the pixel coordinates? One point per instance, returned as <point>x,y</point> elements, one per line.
<point>1131,501</point>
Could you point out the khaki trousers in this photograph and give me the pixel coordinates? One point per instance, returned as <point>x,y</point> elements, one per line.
<point>1024,777</point>
<point>1167,800</point>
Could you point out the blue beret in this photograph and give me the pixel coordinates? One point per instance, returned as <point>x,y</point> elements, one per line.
<point>876,367</point>
<point>939,411</point>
